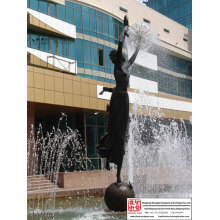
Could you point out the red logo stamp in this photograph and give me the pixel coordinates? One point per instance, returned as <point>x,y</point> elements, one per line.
<point>134,205</point>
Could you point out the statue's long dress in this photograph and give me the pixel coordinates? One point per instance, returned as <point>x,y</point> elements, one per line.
<point>111,146</point>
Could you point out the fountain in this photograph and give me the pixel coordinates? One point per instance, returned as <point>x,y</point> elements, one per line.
<point>157,157</point>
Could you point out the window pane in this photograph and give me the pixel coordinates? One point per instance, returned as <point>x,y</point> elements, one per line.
<point>34,4</point>
<point>91,141</point>
<point>79,53</point>
<point>101,63</point>
<point>28,40</point>
<point>43,7</point>
<point>93,22</point>
<point>120,28</point>
<point>72,50</point>
<point>44,43</point>
<point>94,56</point>
<point>52,8</point>
<point>70,15</point>
<point>111,29</point>
<point>53,46</point>
<point>107,59</point>
<point>35,41</point>
<point>71,4</point>
<point>62,48</point>
<point>99,23</point>
<point>85,20</point>
<point>61,12</point>
<point>78,17</point>
<point>87,54</point>
<point>116,30</point>
<point>28,3</point>
<point>105,26</point>
<point>78,6</point>
<point>84,8</point>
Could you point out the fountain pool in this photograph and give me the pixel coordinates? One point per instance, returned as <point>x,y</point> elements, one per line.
<point>86,208</point>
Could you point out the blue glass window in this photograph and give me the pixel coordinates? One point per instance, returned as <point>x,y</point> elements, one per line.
<point>79,41</point>
<point>105,26</point>
<point>87,54</point>
<point>35,41</point>
<point>72,50</point>
<point>78,6</point>
<point>111,29</point>
<point>43,6</point>
<point>70,15</point>
<point>71,4</point>
<point>78,17</point>
<point>94,44</point>
<point>94,56</point>
<point>93,11</point>
<point>116,30</point>
<point>52,8</point>
<point>62,48</point>
<point>28,3</point>
<point>79,52</point>
<point>28,40</point>
<point>99,23</point>
<point>84,8</point>
<point>107,59</point>
<point>44,43</point>
<point>53,46</point>
<point>85,16</point>
<point>93,22</point>
<point>34,4</point>
<point>99,13</point>
<point>61,12</point>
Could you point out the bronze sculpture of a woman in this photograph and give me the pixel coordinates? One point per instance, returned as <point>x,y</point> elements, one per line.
<point>111,146</point>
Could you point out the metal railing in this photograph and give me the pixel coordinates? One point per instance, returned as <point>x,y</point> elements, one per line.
<point>59,60</point>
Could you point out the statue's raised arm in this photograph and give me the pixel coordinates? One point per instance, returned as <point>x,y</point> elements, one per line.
<point>122,36</point>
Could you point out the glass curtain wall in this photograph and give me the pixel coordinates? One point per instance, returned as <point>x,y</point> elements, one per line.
<point>87,20</point>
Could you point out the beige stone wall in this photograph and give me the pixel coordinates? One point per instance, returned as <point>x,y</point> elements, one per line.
<point>53,87</point>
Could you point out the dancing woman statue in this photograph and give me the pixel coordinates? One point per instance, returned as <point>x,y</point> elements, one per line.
<point>112,145</point>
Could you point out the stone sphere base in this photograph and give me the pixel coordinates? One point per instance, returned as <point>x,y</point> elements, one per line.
<point>116,196</point>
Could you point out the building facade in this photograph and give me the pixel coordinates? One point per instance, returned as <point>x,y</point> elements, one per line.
<point>68,45</point>
<point>179,11</point>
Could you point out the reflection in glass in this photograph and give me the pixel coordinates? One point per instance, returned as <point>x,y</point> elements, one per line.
<point>43,7</point>
<point>93,22</point>
<point>53,46</point>
<point>105,26</point>
<point>61,12</point>
<point>99,23</point>
<point>35,41</point>
<point>78,17</point>
<point>34,4</point>
<point>87,54</point>
<point>52,9</point>
<point>44,43</point>
<point>70,15</point>
<point>79,52</point>
<point>85,16</point>
<point>95,56</point>
<point>62,48</point>
<point>72,50</point>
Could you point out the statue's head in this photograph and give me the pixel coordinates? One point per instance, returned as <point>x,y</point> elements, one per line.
<point>113,57</point>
